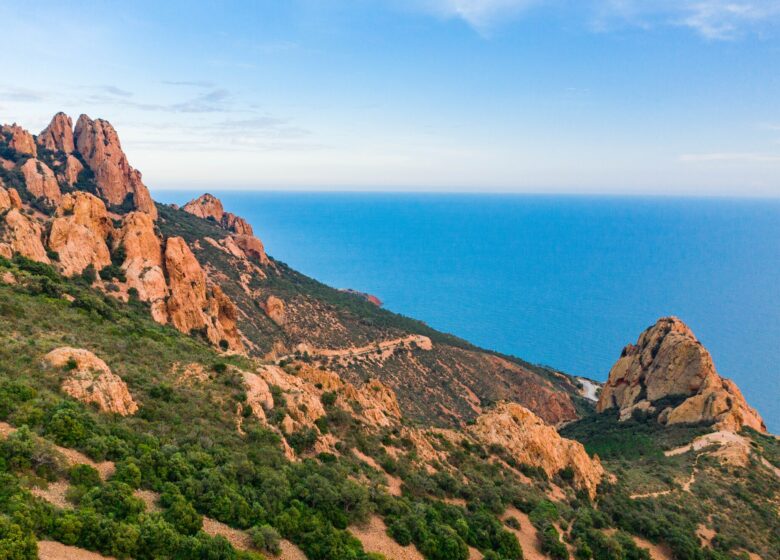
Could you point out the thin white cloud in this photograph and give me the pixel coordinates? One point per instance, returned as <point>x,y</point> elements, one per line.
<point>711,19</point>
<point>482,15</point>
<point>730,157</point>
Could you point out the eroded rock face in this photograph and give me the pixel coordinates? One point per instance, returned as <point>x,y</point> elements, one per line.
<point>20,140</point>
<point>195,306</point>
<point>72,169</point>
<point>40,181</point>
<point>117,181</point>
<point>523,434</point>
<point>236,224</point>
<point>668,361</point>
<point>252,247</point>
<point>58,136</point>
<point>274,308</point>
<point>9,198</point>
<point>78,233</point>
<point>143,264</point>
<point>22,235</point>
<point>90,380</point>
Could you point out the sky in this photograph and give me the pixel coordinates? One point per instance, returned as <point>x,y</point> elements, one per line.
<point>670,97</point>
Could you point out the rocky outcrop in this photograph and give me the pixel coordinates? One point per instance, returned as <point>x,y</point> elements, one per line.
<point>209,207</point>
<point>9,198</point>
<point>195,306</point>
<point>529,440</point>
<point>78,233</point>
<point>236,224</point>
<point>40,181</point>
<point>143,264</point>
<point>252,247</point>
<point>20,140</point>
<point>90,380</point>
<point>21,234</point>
<point>206,206</point>
<point>274,308</point>
<point>117,182</point>
<point>73,167</point>
<point>58,136</point>
<point>667,362</point>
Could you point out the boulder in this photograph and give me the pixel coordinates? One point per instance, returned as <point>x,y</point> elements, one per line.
<point>118,183</point>
<point>275,309</point>
<point>529,440</point>
<point>58,136</point>
<point>668,362</point>
<point>78,233</point>
<point>252,247</point>
<point>40,181</point>
<point>90,380</point>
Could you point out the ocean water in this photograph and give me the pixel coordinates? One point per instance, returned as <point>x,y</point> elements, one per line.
<point>562,281</point>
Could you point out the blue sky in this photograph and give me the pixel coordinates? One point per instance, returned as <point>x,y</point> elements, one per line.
<point>586,96</point>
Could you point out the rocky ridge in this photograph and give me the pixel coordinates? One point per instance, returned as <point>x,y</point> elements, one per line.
<point>669,362</point>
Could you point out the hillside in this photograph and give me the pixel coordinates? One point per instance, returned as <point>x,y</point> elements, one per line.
<point>169,390</point>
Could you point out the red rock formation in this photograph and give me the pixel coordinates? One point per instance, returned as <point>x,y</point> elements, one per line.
<point>252,247</point>
<point>9,198</point>
<point>98,143</point>
<point>78,233</point>
<point>143,265</point>
<point>40,181</point>
<point>91,381</point>
<point>236,224</point>
<point>58,136</point>
<point>193,305</point>
<point>669,361</point>
<point>72,169</point>
<point>274,308</point>
<point>206,206</point>
<point>20,140</point>
<point>21,235</point>
<point>209,207</point>
<point>529,440</point>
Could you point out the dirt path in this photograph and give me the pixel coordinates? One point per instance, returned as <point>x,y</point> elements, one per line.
<point>73,457</point>
<point>686,486</point>
<point>242,541</point>
<point>375,539</point>
<point>387,346</point>
<point>526,535</point>
<point>51,550</point>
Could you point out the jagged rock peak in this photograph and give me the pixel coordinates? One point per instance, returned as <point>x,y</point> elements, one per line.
<point>20,140</point>
<point>529,440</point>
<point>58,135</point>
<point>669,361</point>
<point>208,206</point>
<point>118,183</point>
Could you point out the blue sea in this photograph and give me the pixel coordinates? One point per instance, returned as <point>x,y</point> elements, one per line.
<point>565,281</point>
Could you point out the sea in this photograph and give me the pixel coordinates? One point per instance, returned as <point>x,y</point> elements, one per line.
<point>565,281</point>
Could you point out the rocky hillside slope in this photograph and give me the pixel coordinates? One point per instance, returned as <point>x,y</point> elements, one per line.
<point>169,390</point>
<point>79,205</point>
